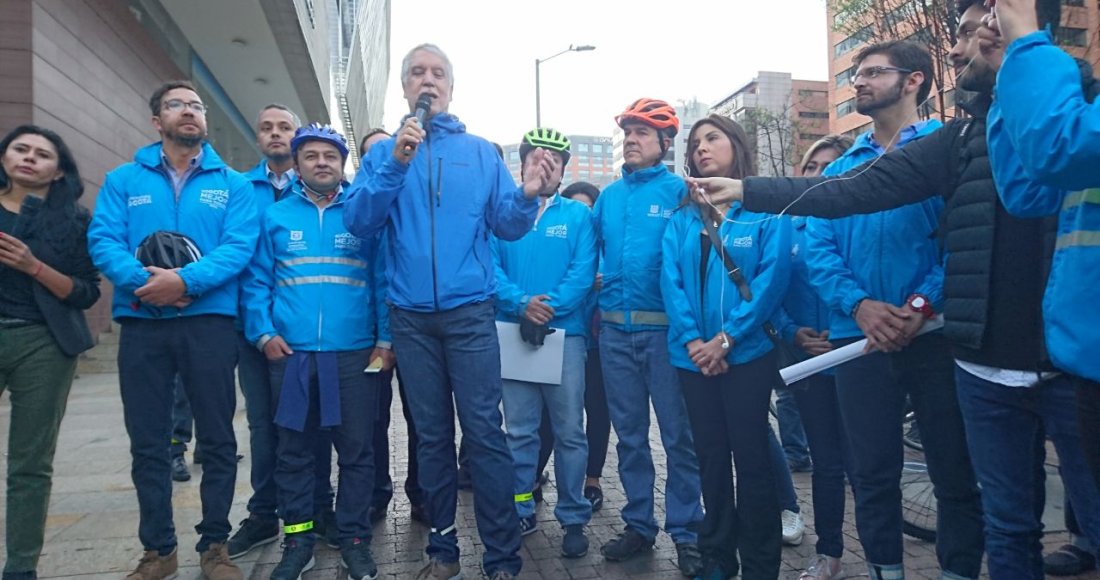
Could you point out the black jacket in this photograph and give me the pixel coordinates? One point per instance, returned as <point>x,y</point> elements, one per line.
<point>65,318</point>
<point>997,264</point>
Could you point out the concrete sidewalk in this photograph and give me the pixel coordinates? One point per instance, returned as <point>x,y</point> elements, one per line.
<point>92,528</point>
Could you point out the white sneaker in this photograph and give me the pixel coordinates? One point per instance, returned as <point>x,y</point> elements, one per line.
<point>793,528</point>
<point>822,568</point>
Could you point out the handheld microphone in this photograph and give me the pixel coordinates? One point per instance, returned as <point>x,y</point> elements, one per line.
<point>423,106</point>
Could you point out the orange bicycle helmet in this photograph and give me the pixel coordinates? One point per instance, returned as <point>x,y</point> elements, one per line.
<point>653,112</point>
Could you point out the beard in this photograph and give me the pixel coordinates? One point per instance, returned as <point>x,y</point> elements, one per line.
<point>892,96</point>
<point>187,141</point>
<point>278,158</point>
<point>979,77</point>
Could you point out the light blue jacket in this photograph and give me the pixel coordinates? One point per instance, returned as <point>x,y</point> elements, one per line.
<point>885,256</point>
<point>630,216</point>
<point>1044,145</point>
<point>558,258</point>
<point>216,209</point>
<point>438,213</point>
<point>313,283</point>
<point>760,246</point>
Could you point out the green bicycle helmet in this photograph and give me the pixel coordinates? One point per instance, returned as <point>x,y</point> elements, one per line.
<point>547,139</point>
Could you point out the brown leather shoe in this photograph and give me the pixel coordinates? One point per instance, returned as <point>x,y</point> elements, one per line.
<point>153,566</point>
<point>216,564</point>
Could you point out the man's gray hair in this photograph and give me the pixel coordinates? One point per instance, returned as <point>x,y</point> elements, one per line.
<point>281,107</point>
<point>406,62</point>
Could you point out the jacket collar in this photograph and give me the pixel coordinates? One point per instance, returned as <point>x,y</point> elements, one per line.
<point>908,133</point>
<point>149,156</point>
<point>644,175</point>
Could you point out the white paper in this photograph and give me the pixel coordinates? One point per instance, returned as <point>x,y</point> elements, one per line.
<point>520,361</point>
<point>822,362</point>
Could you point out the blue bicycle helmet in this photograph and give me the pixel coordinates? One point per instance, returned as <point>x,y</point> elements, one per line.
<point>318,132</point>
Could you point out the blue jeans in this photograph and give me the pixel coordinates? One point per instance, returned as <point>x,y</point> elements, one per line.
<point>523,405</point>
<point>252,374</point>
<point>451,360</point>
<point>1005,429</point>
<point>203,350</point>
<point>636,370</point>
<point>791,433</point>
<point>784,485</point>
<point>871,391</point>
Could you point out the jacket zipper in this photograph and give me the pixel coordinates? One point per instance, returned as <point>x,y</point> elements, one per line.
<point>431,215</point>
<point>320,303</point>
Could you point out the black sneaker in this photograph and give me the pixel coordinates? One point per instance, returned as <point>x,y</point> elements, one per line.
<point>627,545</point>
<point>594,495</point>
<point>528,526</point>
<point>689,559</point>
<point>297,558</point>
<point>358,559</point>
<point>179,469</point>
<point>1069,560</point>
<point>377,513</point>
<point>574,544</point>
<point>324,527</point>
<point>254,531</point>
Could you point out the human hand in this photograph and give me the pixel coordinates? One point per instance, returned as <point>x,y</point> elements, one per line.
<point>387,356</point>
<point>883,324</point>
<point>813,342</point>
<point>539,178</point>
<point>1013,18</point>
<point>407,139</point>
<point>163,288</point>
<point>538,311</point>
<point>277,349</point>
<point>714,190</point>
<point>16,255</point>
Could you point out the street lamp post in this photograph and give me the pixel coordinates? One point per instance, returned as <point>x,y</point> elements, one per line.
<point>538,90</point>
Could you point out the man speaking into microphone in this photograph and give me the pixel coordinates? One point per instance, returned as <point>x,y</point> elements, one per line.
<point>438,193</point>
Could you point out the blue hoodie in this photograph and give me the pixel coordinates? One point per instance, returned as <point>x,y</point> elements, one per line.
<point>313,283</point>
<point>760,245</point>
<point>630,217</point>
<point>558,258</point>
<point>438,219</point>
<point>216,209</point>
<point>885,256</point>
<point>1044,145</point>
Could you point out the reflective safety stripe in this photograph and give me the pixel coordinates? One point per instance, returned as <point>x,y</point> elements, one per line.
<point>1078,240</point>
<point>323,260</point>
<point>522,497</point>
<point>300,280</point>
<point>636,317</point>
<point>298,528</point>
<point>1080,197</point>
<point>444,531</point>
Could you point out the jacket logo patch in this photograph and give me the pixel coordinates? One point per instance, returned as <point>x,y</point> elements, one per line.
<point>656,211</point>
<point>139,200</point>
<point>296,243</point>
<point>215,198</point>
<point>561,231</point>
<point>346,241</point>
<point>745,242</point>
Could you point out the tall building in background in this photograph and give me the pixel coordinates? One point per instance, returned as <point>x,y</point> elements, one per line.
<point>360,47</point>
<point>784,115</point>
<point>590,160</point>
<point>86,68</point>
<point>1079,35</point>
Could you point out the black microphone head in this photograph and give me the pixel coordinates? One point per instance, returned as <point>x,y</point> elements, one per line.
<point>424,101</point>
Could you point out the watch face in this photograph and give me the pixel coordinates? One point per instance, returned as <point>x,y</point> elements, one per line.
<point>918,302</point>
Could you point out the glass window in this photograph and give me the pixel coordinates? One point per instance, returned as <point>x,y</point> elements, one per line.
<point>844,77</point>
<point>845,108</point>
<point>814,114</point>
<point>846,45</point>
<point>597,148</point>
<point>582,147</point>
<point>1069,36</point>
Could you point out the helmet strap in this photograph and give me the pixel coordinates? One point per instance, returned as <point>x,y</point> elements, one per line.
<point>318,196</point>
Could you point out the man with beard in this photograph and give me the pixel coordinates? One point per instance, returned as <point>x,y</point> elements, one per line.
<point>177,320</point>
<point>881,275</point>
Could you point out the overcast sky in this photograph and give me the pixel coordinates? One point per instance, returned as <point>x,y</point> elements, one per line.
<point>672,50</point>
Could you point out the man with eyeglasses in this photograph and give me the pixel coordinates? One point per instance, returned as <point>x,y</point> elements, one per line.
<point>177,320</point>
<point>882,275</point>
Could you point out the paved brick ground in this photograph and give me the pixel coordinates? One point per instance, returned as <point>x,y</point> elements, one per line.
<point>92,526</point>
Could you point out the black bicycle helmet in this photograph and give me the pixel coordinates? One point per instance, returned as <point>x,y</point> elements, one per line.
<point>168,250</point>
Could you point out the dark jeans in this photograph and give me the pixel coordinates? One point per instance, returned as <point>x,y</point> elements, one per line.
<point>729,415</point>
<point>295,469</point>
<point>871,391</point>
<point>1088,417</point>
<point>383,484</point>
<point>791,432</point>
<point>1005,429</point>
<point>254,377</point>
<point>598,422</point>
<point>817,400</point>
<point>452,361</point>
<point>183,421</point>
<point>203,350</point>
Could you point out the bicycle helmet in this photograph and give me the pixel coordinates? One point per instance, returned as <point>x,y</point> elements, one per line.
<point>653,112</point>
<point>318,132</point>
<point>168,250</point>
<point>546,139</point>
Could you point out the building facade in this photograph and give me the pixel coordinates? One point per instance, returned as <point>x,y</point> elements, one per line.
<point>86,68</point>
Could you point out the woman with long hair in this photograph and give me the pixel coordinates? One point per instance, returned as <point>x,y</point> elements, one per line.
<point>46,281</point>
<point>720,287</point>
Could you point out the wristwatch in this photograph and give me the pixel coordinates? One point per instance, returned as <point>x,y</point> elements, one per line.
<point>921,303</point>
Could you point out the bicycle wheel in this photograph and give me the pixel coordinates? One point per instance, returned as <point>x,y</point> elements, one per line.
<point>918,503</point>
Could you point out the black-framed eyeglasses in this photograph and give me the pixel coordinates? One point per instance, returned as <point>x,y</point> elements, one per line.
<point>873,72</point>
<point>177,105</point>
